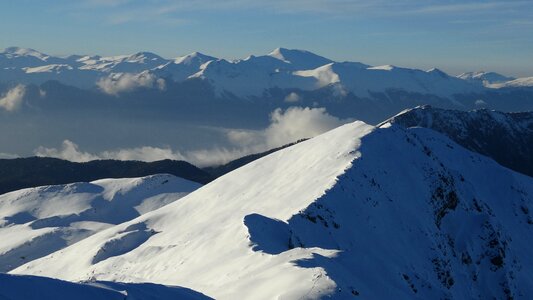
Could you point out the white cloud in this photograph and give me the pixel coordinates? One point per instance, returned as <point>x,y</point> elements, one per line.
<point>12,100</point>
<point>292,97</point>
<point>117,83</point>
<point>297,123</point>
<point>69,151</point>
<point>286,127</point>
<point>215,156</point>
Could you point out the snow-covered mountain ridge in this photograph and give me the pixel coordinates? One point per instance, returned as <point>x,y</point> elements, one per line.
<point>380,213</point>
<point>253,76</point>
<point>488,79</point>
<point>505,137</point>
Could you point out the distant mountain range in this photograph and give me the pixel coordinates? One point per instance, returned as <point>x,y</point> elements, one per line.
<point>249,77</point>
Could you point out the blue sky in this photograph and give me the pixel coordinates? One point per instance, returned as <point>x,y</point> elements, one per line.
<point>455,36</point>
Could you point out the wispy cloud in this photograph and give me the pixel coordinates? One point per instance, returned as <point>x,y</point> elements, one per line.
<point>162,7</point>
<point>175,13</point>
<point>476,7</point>
<point>159,15</point>
<point>12,100</point>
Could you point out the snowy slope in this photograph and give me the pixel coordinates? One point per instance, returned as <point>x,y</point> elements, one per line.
<point>299,59</point>
<point>516,83</point>
<point>485,78</point>
<point>183,67</point>
<point>505,137</point>
<point>383,213</point>
<point>37,221</point>
<point>134,63</point>
<point>38,288</point>
<point>496,81</point>
<point>249,77</point>
<point>363,80</point>
<point>16,57</point>
<point>255,75</point>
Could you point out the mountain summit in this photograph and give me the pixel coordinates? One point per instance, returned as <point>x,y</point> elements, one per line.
<point>300,59</point>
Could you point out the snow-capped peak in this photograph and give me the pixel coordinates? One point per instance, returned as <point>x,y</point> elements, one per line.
<point>437,72</point>
<point>195,57</point>
<point>18,51</point>
<point>300,59</point>
<point>144,57</point>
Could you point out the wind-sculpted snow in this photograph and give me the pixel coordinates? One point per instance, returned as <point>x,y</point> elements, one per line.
<point>380,213</point>
<point>38,221</point>
<point>131,238</point>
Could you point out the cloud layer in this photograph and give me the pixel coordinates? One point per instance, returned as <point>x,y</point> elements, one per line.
<point>12,100</point>
<point>286,127</point>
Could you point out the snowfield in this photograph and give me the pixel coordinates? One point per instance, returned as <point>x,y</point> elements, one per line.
<point>380,213</point>
<point>516,83</point>
<point>38,221</point>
